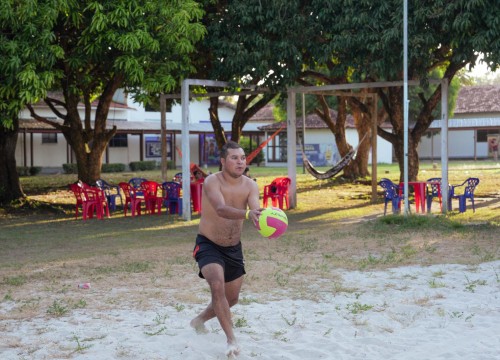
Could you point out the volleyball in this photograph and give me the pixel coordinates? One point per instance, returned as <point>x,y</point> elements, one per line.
<point>272,223</point>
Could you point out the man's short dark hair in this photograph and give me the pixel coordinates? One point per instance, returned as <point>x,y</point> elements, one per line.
<point>229,145</point>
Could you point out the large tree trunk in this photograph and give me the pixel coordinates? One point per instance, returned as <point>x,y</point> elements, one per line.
<point>10,187</point>
<point>394,107</point>
<point>359,166</point>
<point>87,142</point>
<point>245,109</point>
<point>413,160</point>
<point>220,136</point>
<point>88,153</point>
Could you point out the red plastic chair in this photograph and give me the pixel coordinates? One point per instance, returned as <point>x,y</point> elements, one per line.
<point>95,200</point>
<point>78,192</point>
<point>151,198</point>
<point>196,193</point>
<point>131,198</point>
<point>277,192</point>
<point>270,190</point>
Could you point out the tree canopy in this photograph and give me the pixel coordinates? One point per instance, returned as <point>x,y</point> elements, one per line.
<point>329,42</point>
<point>143,47</point>
<point>27,54</point>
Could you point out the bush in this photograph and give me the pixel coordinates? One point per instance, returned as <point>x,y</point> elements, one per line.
<point>34,170</point>
<point>22,170</point>
<point>28,171</point>
<point>142,165</point>
<point>112,168</point>
<point>170,164</point>
<point>70,169</point>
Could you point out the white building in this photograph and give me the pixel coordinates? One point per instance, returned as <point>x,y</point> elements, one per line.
<point>138,136</point>
<point>319,143</point>
<point>476,123</point>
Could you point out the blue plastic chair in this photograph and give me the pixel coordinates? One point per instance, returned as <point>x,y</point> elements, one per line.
<point>469,186</point>
<point>111,191</point>
<point>172,199</point>
<point>433,191</point>
<point>136,184</point>
<point>177,177</point>
<point>391,194</point>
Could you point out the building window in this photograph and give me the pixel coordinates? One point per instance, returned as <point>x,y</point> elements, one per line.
<point>276,149</point>
<point>119,140</point>
<point>49,138</point>
<point>482,135</point>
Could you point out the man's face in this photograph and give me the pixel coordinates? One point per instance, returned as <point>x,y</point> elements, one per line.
<point>235,162</point>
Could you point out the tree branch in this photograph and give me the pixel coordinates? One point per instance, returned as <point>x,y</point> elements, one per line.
<point>44,120</point>
<point>50,102</point>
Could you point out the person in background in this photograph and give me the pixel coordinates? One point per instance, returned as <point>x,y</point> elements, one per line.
<point>247,173</point>
<point>198,176</point>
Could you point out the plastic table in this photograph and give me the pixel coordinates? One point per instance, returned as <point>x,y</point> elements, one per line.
<point>419,188</point>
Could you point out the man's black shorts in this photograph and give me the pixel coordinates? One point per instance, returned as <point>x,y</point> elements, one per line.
<point>229,257</point>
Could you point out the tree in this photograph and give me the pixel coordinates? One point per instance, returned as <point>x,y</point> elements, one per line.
<point>142,47</point>
<point>365,38</point>
<point>268,46</point>
<point>250,43</point>
<point>354,42</point>
<point>26,55</point>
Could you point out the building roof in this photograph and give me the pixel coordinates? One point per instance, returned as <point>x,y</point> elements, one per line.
<point>59,96</point>
<point>478,99</point>
<point>469,123</point>
<point>264,114</point>
<point>313,121</point>
<point>138,127</point>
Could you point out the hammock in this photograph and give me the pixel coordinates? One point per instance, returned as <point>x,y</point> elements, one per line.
<point>254,153</point>
<point>338,167</point>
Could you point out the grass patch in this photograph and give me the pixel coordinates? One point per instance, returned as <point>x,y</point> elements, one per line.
<point>399,223</point>
<point>57,309</point>
<point>15,280</point>
<point>128,267</point>
<point>357,308</point>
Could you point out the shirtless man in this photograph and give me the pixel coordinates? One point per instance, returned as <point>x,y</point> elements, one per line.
<point>218,251</point>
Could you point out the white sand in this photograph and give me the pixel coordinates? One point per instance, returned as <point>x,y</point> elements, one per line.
<point>437,312</point>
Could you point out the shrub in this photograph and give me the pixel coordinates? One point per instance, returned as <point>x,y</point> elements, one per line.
<point>70,169</point>
<point>170,165</point>
<point>142,165</point>
<point>34,170</point>
<point>22,170</point>
<point>28,171</point>
<point>110,168</point>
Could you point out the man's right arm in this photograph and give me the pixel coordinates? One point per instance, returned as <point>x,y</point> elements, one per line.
<point>254,202</point>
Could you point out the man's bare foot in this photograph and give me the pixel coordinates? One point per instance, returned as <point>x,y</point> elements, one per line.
<point>233,350</point>
<point>198,325</point>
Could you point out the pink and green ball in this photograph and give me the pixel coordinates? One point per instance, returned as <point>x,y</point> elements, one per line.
<point>273,223</point>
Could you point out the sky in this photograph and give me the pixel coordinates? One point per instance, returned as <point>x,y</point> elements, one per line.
<point>481,69</point>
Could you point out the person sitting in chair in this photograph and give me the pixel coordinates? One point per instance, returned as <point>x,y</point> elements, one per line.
<point>198,176</point>
<point>247,173</point>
